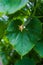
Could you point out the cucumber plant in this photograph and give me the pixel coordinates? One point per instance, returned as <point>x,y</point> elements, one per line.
<point>21,32</point>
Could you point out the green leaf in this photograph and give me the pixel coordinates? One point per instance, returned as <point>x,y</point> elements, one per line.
<point>20,40</point>
<point>25,61</point>
<point>34,29</point>
<point>11,6</point>
<point>39,48</point>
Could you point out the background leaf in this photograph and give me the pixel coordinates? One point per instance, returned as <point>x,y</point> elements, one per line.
<point>11,6</point>
<point>25,61</point>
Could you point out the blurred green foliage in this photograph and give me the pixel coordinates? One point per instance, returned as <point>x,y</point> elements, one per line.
<point>21,32</point>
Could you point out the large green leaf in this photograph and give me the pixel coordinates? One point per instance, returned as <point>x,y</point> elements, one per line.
<point>39,48</point>
<point>11,6</point>
<point>20,40</point>
<point>23,41</point>
<point>25,61</point>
